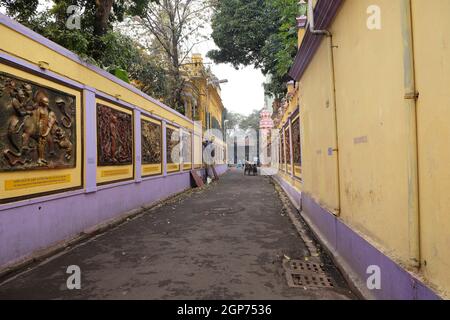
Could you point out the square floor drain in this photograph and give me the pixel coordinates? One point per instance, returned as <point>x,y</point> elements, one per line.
<point>303,266</point>
<point>296,280</point>
<point>307,274</point>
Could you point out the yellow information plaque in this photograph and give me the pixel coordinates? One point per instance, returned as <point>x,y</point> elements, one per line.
<point>115,172</point>
<point>298,171</point>
<point>187,166</point>
<point>171,167</point>
<point>27,183</point>
<point>151,169</point>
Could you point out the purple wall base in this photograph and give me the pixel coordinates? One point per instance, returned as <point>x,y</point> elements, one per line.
<point>354,254</point>
<point>28,228</point>
<point>294,195</point>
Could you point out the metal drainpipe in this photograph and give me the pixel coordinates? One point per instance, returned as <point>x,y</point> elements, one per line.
<point>311,21</point>
<point>337,211</point>
<point>411,96</point>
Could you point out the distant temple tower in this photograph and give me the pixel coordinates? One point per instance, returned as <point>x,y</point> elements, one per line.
<point>265,121</point>
<point>265,129</point>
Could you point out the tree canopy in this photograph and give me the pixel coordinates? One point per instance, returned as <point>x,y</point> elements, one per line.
<point>262,33</point>
<point>99,41</point>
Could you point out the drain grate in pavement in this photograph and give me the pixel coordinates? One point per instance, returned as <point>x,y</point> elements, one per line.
<point>307,274</point>
<point>305,266</point>
<point>309,280</point>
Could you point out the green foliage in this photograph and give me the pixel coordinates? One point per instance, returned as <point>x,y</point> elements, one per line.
<point>251,121</point>
<point>175,27</point>
<point>234,119</point>
<point>112,51</point>
<point>240,29</point>
<point>119,73</point>
<point>20,10</point>
<point>262,33</point>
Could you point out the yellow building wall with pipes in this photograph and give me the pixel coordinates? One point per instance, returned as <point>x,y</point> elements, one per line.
<point>372,121</point>
<point>431,25</point>
<point>316,115</point>
<point>215,105</point>
<point>376,186</point>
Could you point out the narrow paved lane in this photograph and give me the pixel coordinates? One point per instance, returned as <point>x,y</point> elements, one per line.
<point>223,242</point>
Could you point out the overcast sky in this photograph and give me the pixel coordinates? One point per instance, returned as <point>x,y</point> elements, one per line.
<point>244,91</point>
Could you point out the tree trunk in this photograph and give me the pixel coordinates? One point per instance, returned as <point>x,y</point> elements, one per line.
<point>178,81</point>
<point>102,13</point>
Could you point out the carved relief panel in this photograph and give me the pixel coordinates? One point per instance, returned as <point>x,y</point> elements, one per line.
<point>282,144</point>
<point>287,146</point>
<point>114,137</point>
<point>296,148</point>
<point>173,140</point>
<point>187,147</point>
<point>151,142</point>
<point>37,126</point>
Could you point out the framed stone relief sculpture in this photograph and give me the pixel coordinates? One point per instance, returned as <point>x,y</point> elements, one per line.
<point>114,136</point>
<point>187,150</point>
<point>37,126</point>
<point>282,151</point>
<point>296,147</point>
<point>40,136</point>
<point>173,148</point>
<point>288,149</point>
<point>115,143</point>
<point>151,140</point>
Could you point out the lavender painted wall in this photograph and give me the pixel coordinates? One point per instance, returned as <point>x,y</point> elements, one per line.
<point>294,195</point>
<point>354,254</point>
<point>28,228</point>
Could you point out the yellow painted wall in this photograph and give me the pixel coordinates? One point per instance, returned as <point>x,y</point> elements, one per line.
<point>215,107</point>
<point>372,130</point>
<point>316,116</point>
<point>197,152</point>
<point>372,122</point>
<point>431,25</point>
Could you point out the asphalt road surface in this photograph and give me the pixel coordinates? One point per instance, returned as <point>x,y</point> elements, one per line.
<point>225,241</point>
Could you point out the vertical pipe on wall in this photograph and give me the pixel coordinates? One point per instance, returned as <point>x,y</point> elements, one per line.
<point>335,149</point>
<point>411,127</point>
